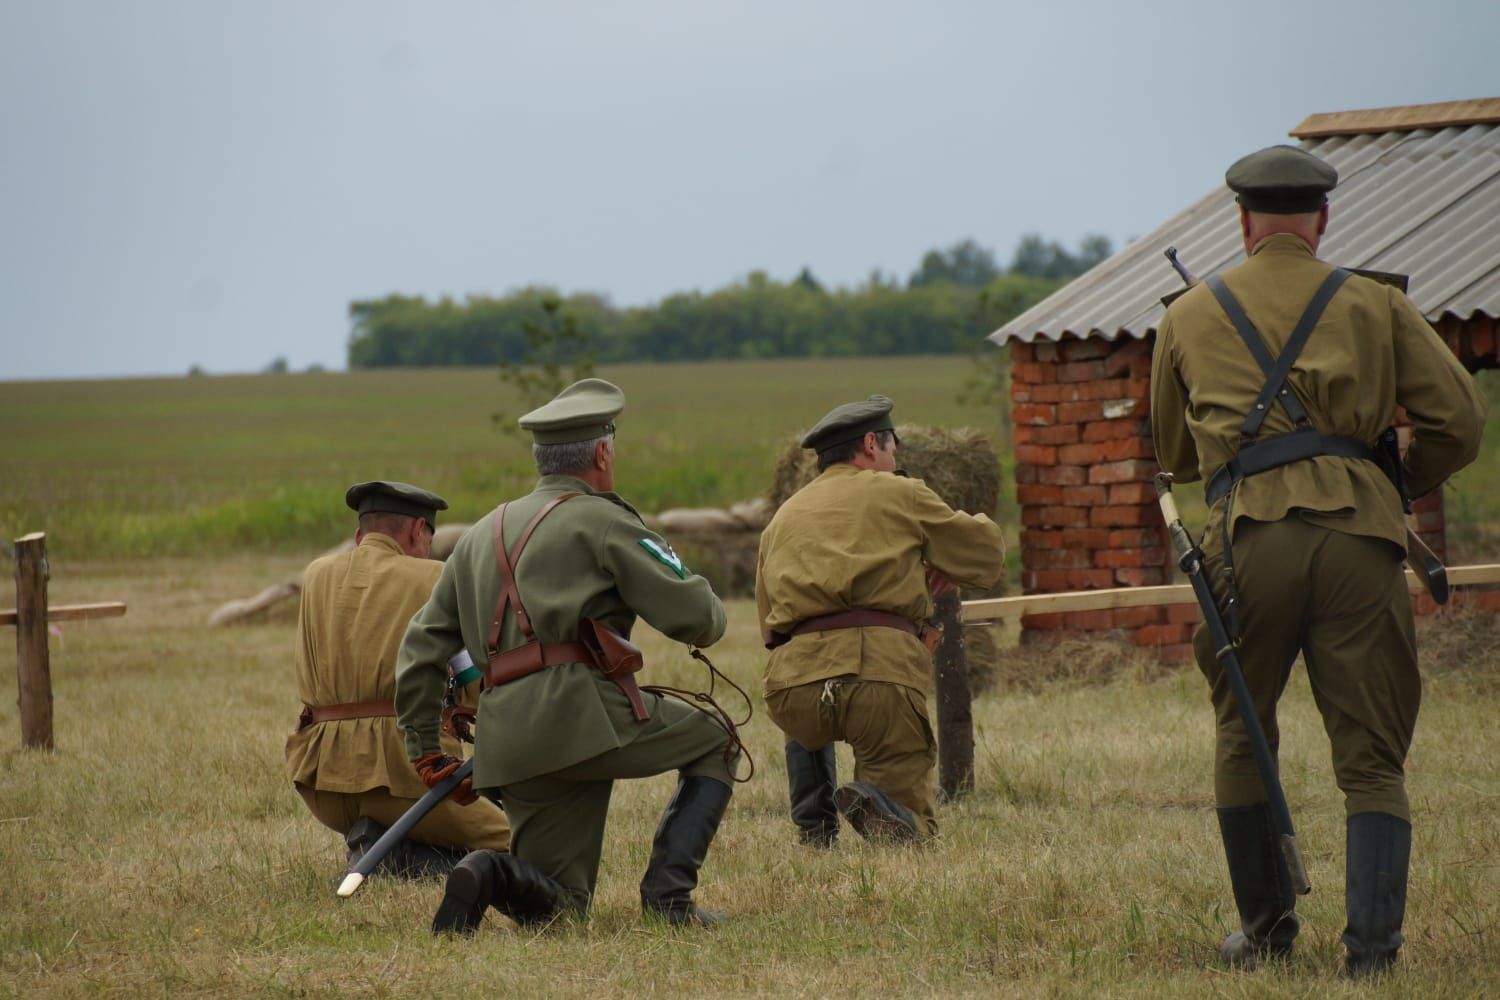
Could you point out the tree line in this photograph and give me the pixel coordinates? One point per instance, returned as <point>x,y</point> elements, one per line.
<point>955,296</point>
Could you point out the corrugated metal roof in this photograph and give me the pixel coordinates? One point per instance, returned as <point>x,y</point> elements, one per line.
<point>1423,202</point>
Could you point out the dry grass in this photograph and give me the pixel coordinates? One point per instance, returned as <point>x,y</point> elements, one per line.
<point>160,851</point>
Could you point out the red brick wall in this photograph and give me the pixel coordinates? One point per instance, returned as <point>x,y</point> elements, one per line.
<point>1084,463</point>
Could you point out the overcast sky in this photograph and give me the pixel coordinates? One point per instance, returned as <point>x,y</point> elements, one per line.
<point>212,183</point>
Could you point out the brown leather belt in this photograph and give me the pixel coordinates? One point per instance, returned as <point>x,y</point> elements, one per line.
<point>528,658</point>
<point>853,618</point>
<point>312,715</point>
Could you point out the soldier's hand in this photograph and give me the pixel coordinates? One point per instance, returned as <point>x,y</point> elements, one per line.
<point>938,583</point>
<point>432,768</point>
<point>458,722</point>
<point>932,637</point>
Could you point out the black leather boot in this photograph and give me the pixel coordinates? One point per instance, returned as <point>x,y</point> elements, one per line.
<point>1262,888</point>
<point>408,859</point>
<point>516,888</point>
<point>811,776</point>
<point>874,814</point>
<point>1377,857</point>
<point>687,828</point>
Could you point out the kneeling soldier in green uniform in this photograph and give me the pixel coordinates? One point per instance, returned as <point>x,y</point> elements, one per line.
<point>1274,383</point>
<point>347,759</point>
<point>843,596</point>
<point>543,591</point>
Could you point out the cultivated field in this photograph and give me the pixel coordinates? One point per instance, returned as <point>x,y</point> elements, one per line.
<point>176,466</point>
<point>160,850</point>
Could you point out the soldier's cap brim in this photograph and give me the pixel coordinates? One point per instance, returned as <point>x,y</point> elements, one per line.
<point>850,422</point>
<point>390,497</point>
<point>1281,180</point>
<point>583,411</point>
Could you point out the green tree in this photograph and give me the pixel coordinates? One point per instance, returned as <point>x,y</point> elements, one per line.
<point>964,263</point>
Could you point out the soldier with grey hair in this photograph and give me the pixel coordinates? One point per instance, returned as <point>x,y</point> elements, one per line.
<point>544,591</point>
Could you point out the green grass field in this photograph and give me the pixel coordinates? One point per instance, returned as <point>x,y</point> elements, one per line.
<point>175,466</point>
<point>161,851</point>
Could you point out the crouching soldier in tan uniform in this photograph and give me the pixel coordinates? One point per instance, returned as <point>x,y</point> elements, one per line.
<point>1274,383</point>
<point>842,596</point>
<point>535,590</point>
<point>346,758</point>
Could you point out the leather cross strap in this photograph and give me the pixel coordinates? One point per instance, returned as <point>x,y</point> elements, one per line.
<point>314,714</point>
<point>853,618</point>
<point>506,561</point>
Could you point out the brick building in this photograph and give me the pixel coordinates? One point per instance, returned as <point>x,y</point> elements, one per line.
<point>1418,194</point>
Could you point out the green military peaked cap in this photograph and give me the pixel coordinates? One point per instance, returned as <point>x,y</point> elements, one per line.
<point>395,498</point>
<point>1282,180</point>
<point>581,412</point>
<point>850,422</point>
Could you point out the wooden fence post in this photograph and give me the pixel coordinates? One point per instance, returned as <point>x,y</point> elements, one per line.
<point>33,669</point>
<point>955,715</point>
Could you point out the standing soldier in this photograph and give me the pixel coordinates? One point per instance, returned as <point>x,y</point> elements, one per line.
<point>1274,384</point>
<point>543,591</point>
<point>843,597</point>
<point>346,759</point>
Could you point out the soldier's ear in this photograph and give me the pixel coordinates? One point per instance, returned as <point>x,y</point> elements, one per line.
<point>1323,219</point>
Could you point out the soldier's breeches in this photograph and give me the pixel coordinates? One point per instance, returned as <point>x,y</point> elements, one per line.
<point>1341,601</point>
<point>557,820</point>
<point>886,725</point>
<point>471,828</point>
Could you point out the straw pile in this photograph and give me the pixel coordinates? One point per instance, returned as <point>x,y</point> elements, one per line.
<point>958,465</point>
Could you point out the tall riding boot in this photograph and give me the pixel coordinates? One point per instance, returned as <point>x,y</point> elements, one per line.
<point>687,828</point>
<point>811,776</point>
<point>516,888</point>
<point>1377,858</point>
<point>874,814</point>
<point>1262,888</point>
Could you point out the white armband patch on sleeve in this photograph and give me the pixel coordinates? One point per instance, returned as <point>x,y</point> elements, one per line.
<point>664,554</point>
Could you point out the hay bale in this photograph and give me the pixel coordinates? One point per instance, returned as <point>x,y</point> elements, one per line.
<point>958,465</point>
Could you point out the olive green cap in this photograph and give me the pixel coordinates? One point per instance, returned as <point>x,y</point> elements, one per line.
<point>850,422</point>
<point>395,498</point>
<point>1281,180</point>
<point>583,411</point>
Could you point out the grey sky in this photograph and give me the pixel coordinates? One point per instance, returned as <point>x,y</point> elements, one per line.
<point>211,183</point>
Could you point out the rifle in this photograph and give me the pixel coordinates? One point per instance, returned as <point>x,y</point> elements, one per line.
<point>1424,563</point>
<point>1190,561</point>
<point>399,829</point>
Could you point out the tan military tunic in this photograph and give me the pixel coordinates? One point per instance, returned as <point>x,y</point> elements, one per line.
<point>855,538</point>
<point>1371,348</point>
<point>355,608</point>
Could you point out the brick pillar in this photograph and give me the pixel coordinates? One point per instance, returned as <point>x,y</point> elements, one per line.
<point>1084,463</point>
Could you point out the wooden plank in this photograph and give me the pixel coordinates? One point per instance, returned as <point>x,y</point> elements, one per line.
<point>1445,114</point>
<point>33,672</point>
<point>71,612</point>
<point>996,608</point>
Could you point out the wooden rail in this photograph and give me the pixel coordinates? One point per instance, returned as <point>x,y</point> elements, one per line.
<point>71,612</point>
<point>996,608</point>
